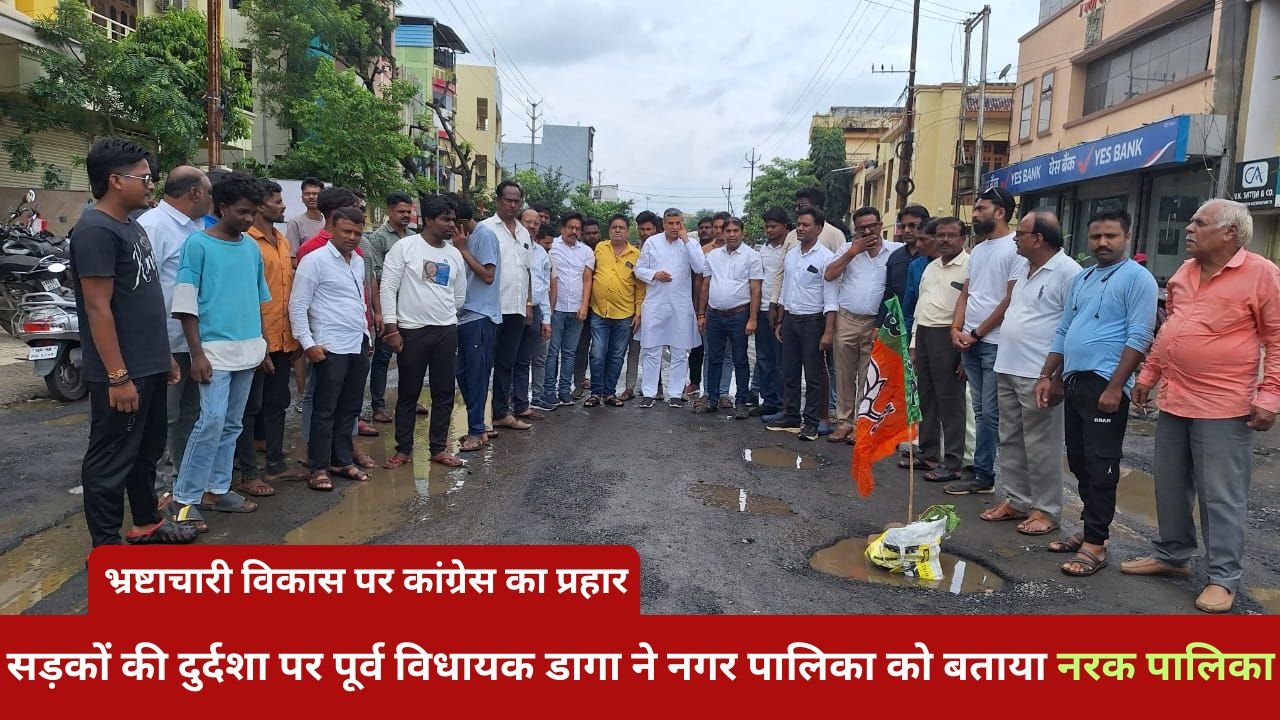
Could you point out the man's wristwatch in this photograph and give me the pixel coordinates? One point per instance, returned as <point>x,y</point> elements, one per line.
<point>974,333</point>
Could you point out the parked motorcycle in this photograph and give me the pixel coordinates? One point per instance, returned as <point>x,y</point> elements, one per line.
<point>48,324</point>
<point>23,275</point>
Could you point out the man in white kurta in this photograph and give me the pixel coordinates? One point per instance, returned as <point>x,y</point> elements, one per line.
<point>671,266</point>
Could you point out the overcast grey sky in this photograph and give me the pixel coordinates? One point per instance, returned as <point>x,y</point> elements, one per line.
<point>680,92</point>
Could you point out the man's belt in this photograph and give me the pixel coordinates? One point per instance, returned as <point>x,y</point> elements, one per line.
<point>730,311</point>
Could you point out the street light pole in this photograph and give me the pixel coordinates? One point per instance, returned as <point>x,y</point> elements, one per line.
<point>982,103</point>
<point>908,144</point>
<point>213,84</point>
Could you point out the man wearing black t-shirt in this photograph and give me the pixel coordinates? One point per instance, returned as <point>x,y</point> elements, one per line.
<point>126,364</point>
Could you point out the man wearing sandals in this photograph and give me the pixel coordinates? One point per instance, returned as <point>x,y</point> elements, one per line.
<point>424,285</point>
<point>1224,306</point>
<point>1031,437</point>
<point>1107,323</point>
<point>616,297</point>
<point>126,363</point>
<point>327,313</point>
<point>221,285</point>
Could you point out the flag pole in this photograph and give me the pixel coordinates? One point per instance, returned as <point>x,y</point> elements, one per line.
<point>911,473</point>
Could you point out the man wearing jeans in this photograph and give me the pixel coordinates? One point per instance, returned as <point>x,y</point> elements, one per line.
<point>516,250</point>
<point>616,297</point>
<point>767,378</point>
<point>731,296</point>
<point>221,285</point>
<point>1224,307</point>
<point>531,362</point>
<point>1107,324</point>
<point>478,321</point>
<point>572,264</point>
<point>327,314</point>
<point>975,329</point>
<point>374,248</point>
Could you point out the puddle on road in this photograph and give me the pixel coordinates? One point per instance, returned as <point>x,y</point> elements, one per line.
<point>739,500</point>
<point>371,509</point>
<point>847,559</point>
<point>777,456</point>
<point>73,419</point>
<point>41,564</point>
<point>1268,598</point>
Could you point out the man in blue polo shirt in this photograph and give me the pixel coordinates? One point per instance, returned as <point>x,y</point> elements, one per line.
<point>478,320</point>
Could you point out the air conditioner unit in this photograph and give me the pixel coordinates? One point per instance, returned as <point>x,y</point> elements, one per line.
<point>167,5</point>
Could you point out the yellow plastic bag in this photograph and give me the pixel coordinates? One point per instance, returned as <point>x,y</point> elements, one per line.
<point>915,549</point>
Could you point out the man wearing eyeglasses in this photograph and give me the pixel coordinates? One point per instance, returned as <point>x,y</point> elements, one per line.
<point>859,272</point>
<point>911,220</point>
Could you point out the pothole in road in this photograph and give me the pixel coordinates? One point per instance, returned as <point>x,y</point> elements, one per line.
<point>776,456</point>
<point>739,500</point>
<point>847,559</point>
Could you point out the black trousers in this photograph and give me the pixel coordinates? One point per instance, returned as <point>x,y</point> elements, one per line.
<point>433,348</point>
<point>1095,445</point>
<point>696,358</point>
<point>504,363</point>
<point>123,452</point>
<point>269,400</point>
<point>339,393</point>
<point>801,350</point>
<point>942,397</point>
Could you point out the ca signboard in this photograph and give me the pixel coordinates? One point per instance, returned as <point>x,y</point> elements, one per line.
<point>1256,182</point>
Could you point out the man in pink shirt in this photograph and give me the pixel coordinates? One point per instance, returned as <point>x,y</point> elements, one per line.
<point>1224,307</point>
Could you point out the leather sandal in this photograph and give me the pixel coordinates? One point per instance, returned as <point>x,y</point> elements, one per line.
<point>1151,566</point>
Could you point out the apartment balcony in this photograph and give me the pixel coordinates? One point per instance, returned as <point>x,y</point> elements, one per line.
<point>116,30</point>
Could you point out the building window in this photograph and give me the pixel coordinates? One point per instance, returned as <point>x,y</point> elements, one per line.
<point>482,114</point>
<point>1049,8</point>
<point>1160,59</point>
<point>1024,117</point>
<point>482,170</point>
<point>1046,102</point>
<point>246,63</point>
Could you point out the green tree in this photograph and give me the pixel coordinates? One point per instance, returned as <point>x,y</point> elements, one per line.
<point>354,138</point>
<point>776,185</point>
<point>550,187</point>
<point>601,210</point>
<point>826,154</point>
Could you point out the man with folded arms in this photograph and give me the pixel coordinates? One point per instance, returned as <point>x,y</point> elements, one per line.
<point>1224,307</point>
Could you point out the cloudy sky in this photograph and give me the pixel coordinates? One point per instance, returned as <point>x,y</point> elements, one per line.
<point>680,92</point>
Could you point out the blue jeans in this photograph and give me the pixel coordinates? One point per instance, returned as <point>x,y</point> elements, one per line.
<point>211,449</point>
<point>562,349</point>
<point>732,328</point>
<point>768,355</point>
<point>979,368</point>
<point>477,341</point>
<point>608,351</point>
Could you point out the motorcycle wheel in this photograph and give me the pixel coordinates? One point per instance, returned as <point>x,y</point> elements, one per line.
<point>66,382</point>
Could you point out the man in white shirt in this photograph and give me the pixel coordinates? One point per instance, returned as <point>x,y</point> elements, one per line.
<point>767,379</point>
<point>327,313</point>
<point>671,265</point>
<point>572,264</point>
<point>187,200</point>
<point>807,324</point>
<point>994,266</point>
<point>1031,437</point>
<point>859,271</point>
<point>515,246</point>
<point>531,358</point>
<point>424,284</point>
<point>731,296</point>
<point>829,235</point>
<point>943,407</point>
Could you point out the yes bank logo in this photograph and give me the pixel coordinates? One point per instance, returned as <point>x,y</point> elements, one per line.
<point>1254,175</point>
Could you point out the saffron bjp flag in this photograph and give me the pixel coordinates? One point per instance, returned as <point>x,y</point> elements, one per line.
<point>890,404</point>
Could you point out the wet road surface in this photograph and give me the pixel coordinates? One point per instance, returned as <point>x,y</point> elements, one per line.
<point>719,529</point>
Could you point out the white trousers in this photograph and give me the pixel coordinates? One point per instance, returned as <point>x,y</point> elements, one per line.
<point>651,369</point>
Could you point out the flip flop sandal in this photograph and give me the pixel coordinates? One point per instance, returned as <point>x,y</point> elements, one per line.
<point>231,502</point>
<point>949,476</point>
<point>1086,559</point>
<point>396,461</point>
<point>186,516</point>
<point>447,460</point>
<point>320,481</point>
<point>1070,545</point>
<point>1051,527</point>
<point>366,461</point>
<point>626,395</point>
<point>471,444</point>
<point>350,472</point>
<point>591,402</point>
<point>1007,512</point>
<point>166,533</point>
<point>613,402</point>
<point>256,487</point>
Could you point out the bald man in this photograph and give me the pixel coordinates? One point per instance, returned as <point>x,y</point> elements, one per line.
<point>186,201</point>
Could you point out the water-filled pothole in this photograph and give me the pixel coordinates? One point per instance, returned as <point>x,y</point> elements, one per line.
<point>739,500</point>
<point>776,456</point>
<point>847,559</point>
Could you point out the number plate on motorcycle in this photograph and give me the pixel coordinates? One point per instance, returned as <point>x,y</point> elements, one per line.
<point>51,285</point>
<point>43,352</point>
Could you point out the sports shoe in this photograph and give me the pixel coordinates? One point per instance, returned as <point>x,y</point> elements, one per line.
<point>566,401</point>
<point>809,433</point>
<point>784,424</point>
<point>543,406</point>
<point>741,413</point>
<point>675,403</point>
<point>646,402</point>
<point>774,418</point>
<point>969,487</point>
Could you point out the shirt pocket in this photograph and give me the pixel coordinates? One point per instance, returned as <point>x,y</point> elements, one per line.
<point>1226,315</point>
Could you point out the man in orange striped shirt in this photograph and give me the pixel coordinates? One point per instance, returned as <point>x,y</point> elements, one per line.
<point>1224,307</point>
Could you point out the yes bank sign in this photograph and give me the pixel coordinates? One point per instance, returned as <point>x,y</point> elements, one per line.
<point>1256,182</point>
<point>1156,144</point>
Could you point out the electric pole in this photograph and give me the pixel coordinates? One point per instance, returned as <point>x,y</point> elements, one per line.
<point>533,136</point>
<point>908,143</point>
<point>752,160</point>
<point>982,103</point>
<point>728,195</point>
<point>213,84</point>
<point>964,93</point>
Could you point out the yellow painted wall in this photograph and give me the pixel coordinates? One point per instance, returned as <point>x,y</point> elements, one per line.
<point>1052,45</point>
<point>474,82</point>
<point>37,8</point>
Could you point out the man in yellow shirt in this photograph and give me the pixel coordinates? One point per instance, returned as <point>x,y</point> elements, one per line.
<point>615,310</point>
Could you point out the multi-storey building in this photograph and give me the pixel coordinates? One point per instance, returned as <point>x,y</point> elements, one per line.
<point>479,121</point>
